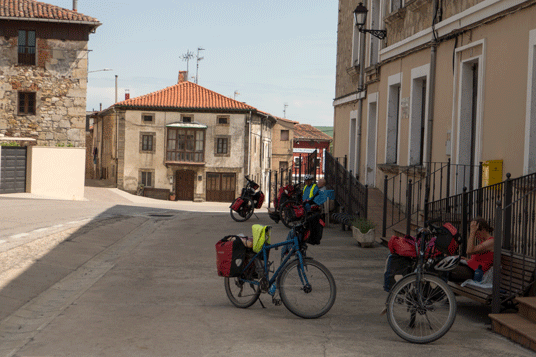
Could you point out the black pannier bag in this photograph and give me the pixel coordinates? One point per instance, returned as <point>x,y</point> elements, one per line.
<point>396,265</point>
<point>314,227</point>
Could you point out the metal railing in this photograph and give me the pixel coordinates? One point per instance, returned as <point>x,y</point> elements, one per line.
<point>407,193</point>
<point>349,192</point>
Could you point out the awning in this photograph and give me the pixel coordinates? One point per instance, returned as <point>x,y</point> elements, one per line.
<point>187,125</point>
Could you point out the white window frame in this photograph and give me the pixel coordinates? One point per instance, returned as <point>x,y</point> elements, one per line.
<point>352,141</point>
<point>415,114</point>
<point>529,161</point>
<point>371,140</point>
<point>356,41</point>
<point>392,127</point>
<point>459,105</point>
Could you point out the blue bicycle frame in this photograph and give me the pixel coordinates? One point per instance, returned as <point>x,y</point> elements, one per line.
<point>294,246</point>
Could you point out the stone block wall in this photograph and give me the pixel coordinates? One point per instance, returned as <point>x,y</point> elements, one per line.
<point>60,82</point>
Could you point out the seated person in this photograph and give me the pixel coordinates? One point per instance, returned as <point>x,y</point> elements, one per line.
<point>480,250</point>
<point>309,191</point>
<point>322,184</point>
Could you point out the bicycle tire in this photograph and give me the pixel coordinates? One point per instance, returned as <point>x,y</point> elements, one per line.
<point>235,287</point>
<point>244,212</point>
<point>426,322</point>
<point>287,214</point>
<point>307,301</point>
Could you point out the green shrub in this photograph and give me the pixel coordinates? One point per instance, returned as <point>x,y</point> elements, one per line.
<point>10,143</point>
<point>364,225</point>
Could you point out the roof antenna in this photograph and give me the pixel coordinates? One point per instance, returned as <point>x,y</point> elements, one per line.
<point>187,57</point>
<point>198,59</point>
<point>285,111</point>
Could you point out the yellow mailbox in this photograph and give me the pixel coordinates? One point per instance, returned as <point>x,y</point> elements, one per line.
<point>491,172</point>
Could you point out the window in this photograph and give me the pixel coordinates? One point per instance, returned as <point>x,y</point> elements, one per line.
<point>222,146</point>
<point>396,4</point>
<point>147,118</point>
<point>185,145</point>
<point>146,178</point>
<point>26,103</point>
<point>297,162</point>
<point>223,120</point>
<point>26,44</point>
<point>147,142</point>
<point>284,135</point>
<point>186,119</point>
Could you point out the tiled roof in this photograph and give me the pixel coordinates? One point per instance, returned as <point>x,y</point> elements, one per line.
<point>287,120</point>
<point>29,9</point>
<point>308,132</point>
<point>185,95</point>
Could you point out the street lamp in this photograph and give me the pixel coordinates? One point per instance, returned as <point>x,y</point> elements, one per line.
<point>101,70</point>
<point>360,14</point>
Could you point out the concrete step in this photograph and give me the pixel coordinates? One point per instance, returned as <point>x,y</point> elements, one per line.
<point>515,327</point>
<point>527,307</point>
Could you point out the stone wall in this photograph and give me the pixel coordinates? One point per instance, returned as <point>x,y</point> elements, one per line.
<point>60,82</point>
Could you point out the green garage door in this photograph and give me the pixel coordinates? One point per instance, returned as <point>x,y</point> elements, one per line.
<point>13,169</point>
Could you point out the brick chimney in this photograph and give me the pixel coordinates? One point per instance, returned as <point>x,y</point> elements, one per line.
<point>75,5</point>
<point>183,76</point>
<point>127,94</point>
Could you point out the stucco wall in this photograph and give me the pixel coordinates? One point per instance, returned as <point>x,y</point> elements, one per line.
<point>56,172</point>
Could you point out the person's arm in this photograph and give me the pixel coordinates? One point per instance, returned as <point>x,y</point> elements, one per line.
<point>472,248</point>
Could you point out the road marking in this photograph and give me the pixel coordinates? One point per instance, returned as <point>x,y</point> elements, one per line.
<point>40,230</point>
<point>20,235</point>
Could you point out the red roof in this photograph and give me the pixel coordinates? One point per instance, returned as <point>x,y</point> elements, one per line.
<point>185,95</point>
<point>29,9</point>
<point>309,132</point>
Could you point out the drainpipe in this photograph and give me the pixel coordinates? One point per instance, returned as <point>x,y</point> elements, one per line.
<point>360,95</point>
<point>431,99</point>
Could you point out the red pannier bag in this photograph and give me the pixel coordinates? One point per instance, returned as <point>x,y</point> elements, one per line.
<point>260,200</point>
<point>403,246</point>
<point>230,256</point>
<point>237,203</point>
<point>299,211</point>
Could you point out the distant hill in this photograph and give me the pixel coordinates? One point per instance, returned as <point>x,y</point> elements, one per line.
<point>326,130</point>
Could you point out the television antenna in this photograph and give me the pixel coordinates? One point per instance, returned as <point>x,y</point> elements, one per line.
<point>187,57</point>
<point>285,110</point>
<point>235,94</point>
<point>198,59</point>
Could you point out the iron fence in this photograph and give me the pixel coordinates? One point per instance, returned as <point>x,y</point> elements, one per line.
<point>407,193</point>
<point>349,192</point>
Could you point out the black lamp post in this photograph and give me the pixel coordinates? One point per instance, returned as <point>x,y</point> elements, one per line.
<point>360,14</point>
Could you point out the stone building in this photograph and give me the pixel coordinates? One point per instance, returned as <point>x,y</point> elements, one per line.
<point>43,72</point>
<point>282,139</point>
<point>183,139</point>
<point>452,80</point>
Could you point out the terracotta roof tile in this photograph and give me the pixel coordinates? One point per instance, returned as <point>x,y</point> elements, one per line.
<point>309,132</point>
<point>29,9</point>
<point>185,95</point>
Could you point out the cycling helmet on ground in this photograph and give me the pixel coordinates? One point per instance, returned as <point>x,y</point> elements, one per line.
<point>308,177</point>
<point>448,263</point>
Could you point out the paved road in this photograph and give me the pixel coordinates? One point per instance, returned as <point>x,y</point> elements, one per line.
<point>145,284</point>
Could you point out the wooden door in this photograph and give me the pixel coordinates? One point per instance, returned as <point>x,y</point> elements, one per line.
<point>185,185</point>
<point>221,187</point>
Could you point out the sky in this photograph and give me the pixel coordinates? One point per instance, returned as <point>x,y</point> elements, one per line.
<point>271,52</point>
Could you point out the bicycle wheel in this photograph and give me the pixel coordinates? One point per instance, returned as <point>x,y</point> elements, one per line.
<point>240,293</point>
<point>288,216</point>
<point>424,313</point>
<point>244,212</point>
<point>309,298</point>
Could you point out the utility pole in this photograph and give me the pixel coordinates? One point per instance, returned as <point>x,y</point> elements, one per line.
<point>187,57</point>
<point>285,110</point>
<point>198,59</point>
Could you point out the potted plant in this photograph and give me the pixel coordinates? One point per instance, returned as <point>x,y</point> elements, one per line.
<point>363,231</point>
<point>172,196</point>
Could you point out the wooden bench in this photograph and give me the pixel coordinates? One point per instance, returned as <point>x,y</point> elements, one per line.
<point>517,278</point>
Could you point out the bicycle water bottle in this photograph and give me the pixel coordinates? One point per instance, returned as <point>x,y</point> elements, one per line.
<point>271,291</point>
<point>479,273</point>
